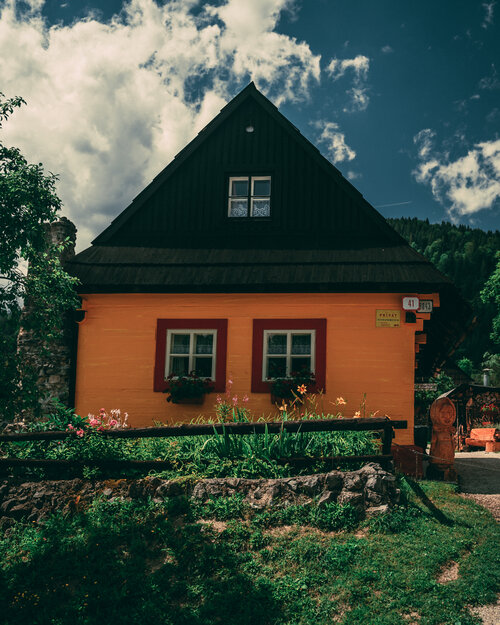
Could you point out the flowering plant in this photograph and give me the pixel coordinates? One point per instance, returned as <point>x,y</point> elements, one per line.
<point>288,387</point>
<point>187,387</point>
<point>103,421</point>
<point>491,408</point>
<point>228,408</point>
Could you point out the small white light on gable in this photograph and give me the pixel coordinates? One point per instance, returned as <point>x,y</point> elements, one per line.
<point>411,303</point>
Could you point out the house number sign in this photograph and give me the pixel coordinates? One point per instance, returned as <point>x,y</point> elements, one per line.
<point>425,306</point>
<point>411,303</point>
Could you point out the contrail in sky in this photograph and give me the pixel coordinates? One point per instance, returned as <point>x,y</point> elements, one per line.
<point>395,204</point>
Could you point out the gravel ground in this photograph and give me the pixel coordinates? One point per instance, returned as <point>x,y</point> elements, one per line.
<point>479,479</point>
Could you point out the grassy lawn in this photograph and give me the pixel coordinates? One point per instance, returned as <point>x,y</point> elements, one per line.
<point>177,563</point>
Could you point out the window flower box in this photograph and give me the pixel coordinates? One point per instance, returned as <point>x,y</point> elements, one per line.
<point>286,389</point>
<point>187,389</point>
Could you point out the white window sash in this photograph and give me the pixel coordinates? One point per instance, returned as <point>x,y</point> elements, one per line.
<point>288,356</point>
<point>191,355</point>
<point>250,197</point>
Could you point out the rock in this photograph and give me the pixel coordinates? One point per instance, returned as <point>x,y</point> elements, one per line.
<point>371,486</point>
<point>170,488</point>
<point>374,482</point>
<point>334,481</point>
<point>353,481</point>
<point>349,497</point>
<point>20,511</point>
<point>328,496</point>
<point>199,492</point>
<point>377,511</point>
<point>7,505</point>
<point>309,484</point>
<point>373,497</point>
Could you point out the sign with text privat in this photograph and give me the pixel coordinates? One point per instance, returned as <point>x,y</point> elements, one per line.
<point>388,319</point>
<point>411,303</point>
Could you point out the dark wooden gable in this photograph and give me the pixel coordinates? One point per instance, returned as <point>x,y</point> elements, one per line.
<point>312,205</point>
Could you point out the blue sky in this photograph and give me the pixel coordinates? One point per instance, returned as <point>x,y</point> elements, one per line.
<point>403,96</point>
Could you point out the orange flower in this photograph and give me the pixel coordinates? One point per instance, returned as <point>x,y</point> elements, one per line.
<point>357,414</point>
<point>341,401</point>
<point>283,407</point>
<point>302,389</point>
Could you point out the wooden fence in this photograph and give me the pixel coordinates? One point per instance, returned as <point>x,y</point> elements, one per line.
<point>381,424</point>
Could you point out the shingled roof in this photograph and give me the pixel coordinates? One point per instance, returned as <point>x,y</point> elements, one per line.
<point>322,236</point>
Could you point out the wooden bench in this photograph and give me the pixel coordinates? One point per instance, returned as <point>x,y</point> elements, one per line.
<point>489,438</point>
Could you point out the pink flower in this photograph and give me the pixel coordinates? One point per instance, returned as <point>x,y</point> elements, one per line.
<point>70,427</point>
<point>235,400</point>
<point>113,422</point>
<point>94,422</point>
<point>219,399</point>
<point>80,433</point>
<point>100,429</point>
<point>245,398</point>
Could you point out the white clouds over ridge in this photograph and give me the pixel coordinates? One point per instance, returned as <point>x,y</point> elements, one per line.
<point>359,67</point>
<point>334,140</point>
<point>466,184</point>
<point>109,104</point>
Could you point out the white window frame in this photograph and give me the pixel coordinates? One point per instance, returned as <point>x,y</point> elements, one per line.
<point>250,197</point>
<point>288,354</point>
<point>191,355</point>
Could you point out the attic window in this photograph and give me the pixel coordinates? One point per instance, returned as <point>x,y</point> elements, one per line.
<point>249,196</point>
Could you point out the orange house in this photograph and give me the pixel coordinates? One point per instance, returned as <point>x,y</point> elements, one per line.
<point>247,258</point>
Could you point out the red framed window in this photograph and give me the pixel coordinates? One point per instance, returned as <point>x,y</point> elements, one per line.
<point>185,345</point>
<point>283,346</point>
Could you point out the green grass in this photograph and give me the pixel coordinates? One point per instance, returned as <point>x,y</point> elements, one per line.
<point>180,564</point>
<point>220,455</point>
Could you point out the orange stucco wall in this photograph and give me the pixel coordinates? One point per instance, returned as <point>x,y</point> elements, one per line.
<point>116,351</point>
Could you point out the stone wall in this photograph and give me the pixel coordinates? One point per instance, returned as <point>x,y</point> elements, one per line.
<point>53,366</point>
<point>371,490</point>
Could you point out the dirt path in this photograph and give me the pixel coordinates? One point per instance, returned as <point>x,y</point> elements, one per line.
<point>479,478</point>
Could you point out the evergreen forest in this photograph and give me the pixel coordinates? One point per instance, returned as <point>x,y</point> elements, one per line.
<point>467,256</point>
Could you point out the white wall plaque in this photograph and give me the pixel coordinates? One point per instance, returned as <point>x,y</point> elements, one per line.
<point>411,303</point>
<point>425,306</point>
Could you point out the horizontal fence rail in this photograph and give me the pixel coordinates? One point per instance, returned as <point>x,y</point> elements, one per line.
<point>383,424</point>
<point>208,429</point>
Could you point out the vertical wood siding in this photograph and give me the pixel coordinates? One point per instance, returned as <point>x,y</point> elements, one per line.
<point>307,200</point>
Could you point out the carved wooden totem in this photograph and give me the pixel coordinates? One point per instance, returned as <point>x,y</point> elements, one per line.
<point>442,454</point>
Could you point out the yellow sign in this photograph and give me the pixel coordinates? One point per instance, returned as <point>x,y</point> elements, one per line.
<point>388,319</point>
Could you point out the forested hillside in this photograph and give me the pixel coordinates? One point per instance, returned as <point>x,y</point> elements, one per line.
<point>467,256</point>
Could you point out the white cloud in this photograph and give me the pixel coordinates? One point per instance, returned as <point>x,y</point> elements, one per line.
<point>491,82</point>
<point>465,185</point>
<point>489,8</point>
<point>334,140</point>
<point>359,67</point>
<point>110,104</point>
<point>353,175</point>
<point>387,50</point>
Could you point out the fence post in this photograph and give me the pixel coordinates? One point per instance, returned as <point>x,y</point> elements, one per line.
<point>387,443</point>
